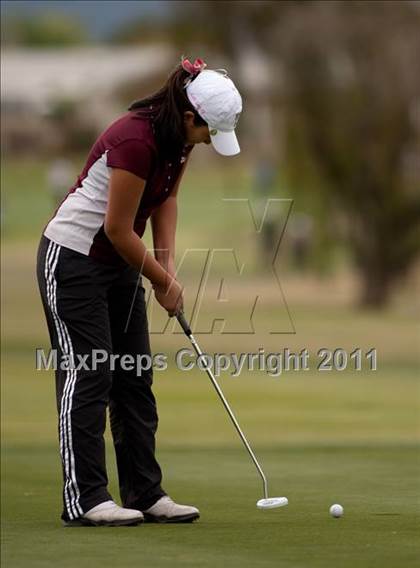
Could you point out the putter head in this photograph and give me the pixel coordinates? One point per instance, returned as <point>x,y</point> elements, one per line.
<point>272,503</point>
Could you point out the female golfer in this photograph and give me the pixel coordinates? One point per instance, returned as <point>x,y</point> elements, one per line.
<point>89,261</point>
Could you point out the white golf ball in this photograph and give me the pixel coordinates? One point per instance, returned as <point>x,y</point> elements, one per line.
<point>336,511</point>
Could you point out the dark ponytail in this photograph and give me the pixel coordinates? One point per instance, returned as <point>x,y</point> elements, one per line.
<point>166,109</point>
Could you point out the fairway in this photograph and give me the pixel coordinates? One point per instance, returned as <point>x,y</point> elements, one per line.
<point>350,438</point>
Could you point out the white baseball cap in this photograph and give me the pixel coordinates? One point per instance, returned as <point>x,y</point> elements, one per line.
<point>218,102</point>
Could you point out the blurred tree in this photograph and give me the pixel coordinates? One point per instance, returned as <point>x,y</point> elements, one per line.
<point>349,93</point>
<point>352,96</point>
<point>47,30</point>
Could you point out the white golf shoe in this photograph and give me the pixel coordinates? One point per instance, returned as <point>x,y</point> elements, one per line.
<point>166,511</point>
<point>108,514</point>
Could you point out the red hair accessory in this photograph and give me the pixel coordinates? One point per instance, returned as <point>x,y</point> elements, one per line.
<point>193,68</point>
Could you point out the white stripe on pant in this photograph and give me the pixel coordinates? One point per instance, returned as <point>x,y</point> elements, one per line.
<point>71,489</point>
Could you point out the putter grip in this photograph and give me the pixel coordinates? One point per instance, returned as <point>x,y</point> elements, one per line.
<point>184,324</point>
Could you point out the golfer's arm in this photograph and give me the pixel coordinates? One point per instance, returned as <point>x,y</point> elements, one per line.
<point>164,228</point>
<point>125,192</point>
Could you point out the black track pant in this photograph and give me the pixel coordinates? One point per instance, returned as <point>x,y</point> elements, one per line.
<point>86,304</point>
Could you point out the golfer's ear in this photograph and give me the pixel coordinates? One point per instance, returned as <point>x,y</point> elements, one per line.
<point>188,117</point>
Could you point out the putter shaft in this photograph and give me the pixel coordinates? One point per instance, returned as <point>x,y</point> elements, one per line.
<point>184,324</point>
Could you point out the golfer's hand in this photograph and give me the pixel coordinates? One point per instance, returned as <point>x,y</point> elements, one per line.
<point>170,297</point>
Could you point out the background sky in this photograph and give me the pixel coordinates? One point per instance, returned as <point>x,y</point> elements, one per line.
<point>99,18</point>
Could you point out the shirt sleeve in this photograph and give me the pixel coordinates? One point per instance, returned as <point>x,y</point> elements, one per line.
<point>133,155</point>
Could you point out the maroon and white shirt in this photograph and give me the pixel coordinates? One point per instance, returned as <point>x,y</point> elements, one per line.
<point>128,144</point>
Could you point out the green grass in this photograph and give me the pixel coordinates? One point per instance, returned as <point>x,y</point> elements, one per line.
<point>343,438</point>
<point>375,485</point>
<point>351,438</point>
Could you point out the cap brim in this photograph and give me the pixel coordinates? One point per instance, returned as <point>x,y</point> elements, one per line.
<point>225,143</point>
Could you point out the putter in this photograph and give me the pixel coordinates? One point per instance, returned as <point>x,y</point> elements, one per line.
<point>267,502</point>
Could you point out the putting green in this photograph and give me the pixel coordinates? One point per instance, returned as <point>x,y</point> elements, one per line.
<point>321,440</point>
<point>377,487</point>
